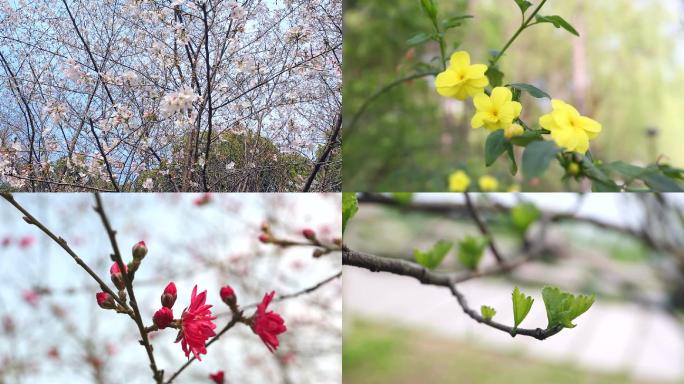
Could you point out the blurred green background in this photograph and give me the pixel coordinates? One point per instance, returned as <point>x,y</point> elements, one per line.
<point>626,71</point>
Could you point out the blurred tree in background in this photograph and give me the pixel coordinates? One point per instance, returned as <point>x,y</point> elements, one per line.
<point>624,70</point>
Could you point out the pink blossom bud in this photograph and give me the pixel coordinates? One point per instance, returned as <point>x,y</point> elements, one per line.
<point>139,250</point>
<point>168,298</point>
<point>265,227</point>
<point>117,276</point>
<point>105,300</point>
<point>163,317</point>
<point>218,377</point>
<point>309,233</point>
<point>264,238</point>
<point>227,294</point>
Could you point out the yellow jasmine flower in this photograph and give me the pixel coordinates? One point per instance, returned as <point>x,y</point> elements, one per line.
<point>513,130</point>
<point>459,182</point>
<point>569,129</point>
<point>462,79</point>
<point>496,111</point>
<point>488,184</point>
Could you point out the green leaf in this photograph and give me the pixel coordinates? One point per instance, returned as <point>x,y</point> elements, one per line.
<point>495,146</point>
<point>661,183</point>
<point>403,198</point>
<point>563,307</point>
<point>627,170</point>
<point>419,38</point>
<point>557,22</point>
<point>487,312</point>
<point>433,257</point>
<point>495,76</point>
<point>429,7</point>
<point>455,21</point>
<point>537,157</point>
<point>526,138</point>
<point>470,251</point>
<point>531,89</point>
<point>523,215</point>
<point>523,5</point>
<point>521,306</point>
<point>349,207</point>
<point>511,156</point>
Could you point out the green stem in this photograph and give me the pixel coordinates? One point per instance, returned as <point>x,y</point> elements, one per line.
<point>523,26</point>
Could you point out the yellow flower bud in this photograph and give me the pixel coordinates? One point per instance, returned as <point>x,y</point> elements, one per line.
<point>459,182</point>
<point>513,130</point>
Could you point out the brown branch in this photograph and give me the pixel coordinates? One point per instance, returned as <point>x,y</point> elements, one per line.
<point>404,268</point>
<point>104,157</point>
<point>116,257</point>
<point>332,141</point>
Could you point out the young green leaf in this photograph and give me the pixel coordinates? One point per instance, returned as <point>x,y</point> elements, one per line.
<point>419,39</point>
<point>531,89</point>
<point>563,307</point>
<point>433,257</point>
<point>523,215</point>
<point>349,207</point>
<point>521,306</point>
<point>455,21</point>
<point>403,198</point>
<point>537,157</point>
<point>470,251</point>
<point>495,146</point>
<point>487,312</point>
<point>557,22</point>
<point>430,8</point>
<point>511,156</point>
<point>526,138</point>
<point>523,5</point>
<point>660,183</point>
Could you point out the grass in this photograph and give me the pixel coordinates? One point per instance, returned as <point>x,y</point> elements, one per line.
<point>376,353</point>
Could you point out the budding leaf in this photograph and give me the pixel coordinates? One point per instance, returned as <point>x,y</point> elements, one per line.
<point>349,207</point>
<point>455,21</point>
<point>523,5</point>
<point>531,89</point>
<point>523,215</point>
<point>487,312</point>
<point>557,22</point>
<point>433,257</point>
<point>419,39</point>
<point>470,251</point>
<point>563,307</point>
<point>521,306</point>
<point>494,75</point>
<point>403,198</point>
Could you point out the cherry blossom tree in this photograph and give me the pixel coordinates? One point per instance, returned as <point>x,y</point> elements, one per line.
<point>160,95</point>
<point>121,288</point>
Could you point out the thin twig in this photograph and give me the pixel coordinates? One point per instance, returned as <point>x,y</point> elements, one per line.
<point>332,141</point>
<point>483,229</point>
<point>116,257</point>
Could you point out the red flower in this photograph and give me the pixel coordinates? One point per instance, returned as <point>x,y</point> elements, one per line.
<point>264,238</point>
<point>163,317</point>
<point>268,325</point>
<point>217,377</point>
<point>168,298</point>
<point>105,300</point>
<point>196,325</point>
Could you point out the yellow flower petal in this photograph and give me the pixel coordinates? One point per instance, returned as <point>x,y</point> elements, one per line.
<point>476,71</point>
<point>482,102</point>
<point>501,95</point>
<point>460,59</point>
<point>477,121</point>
